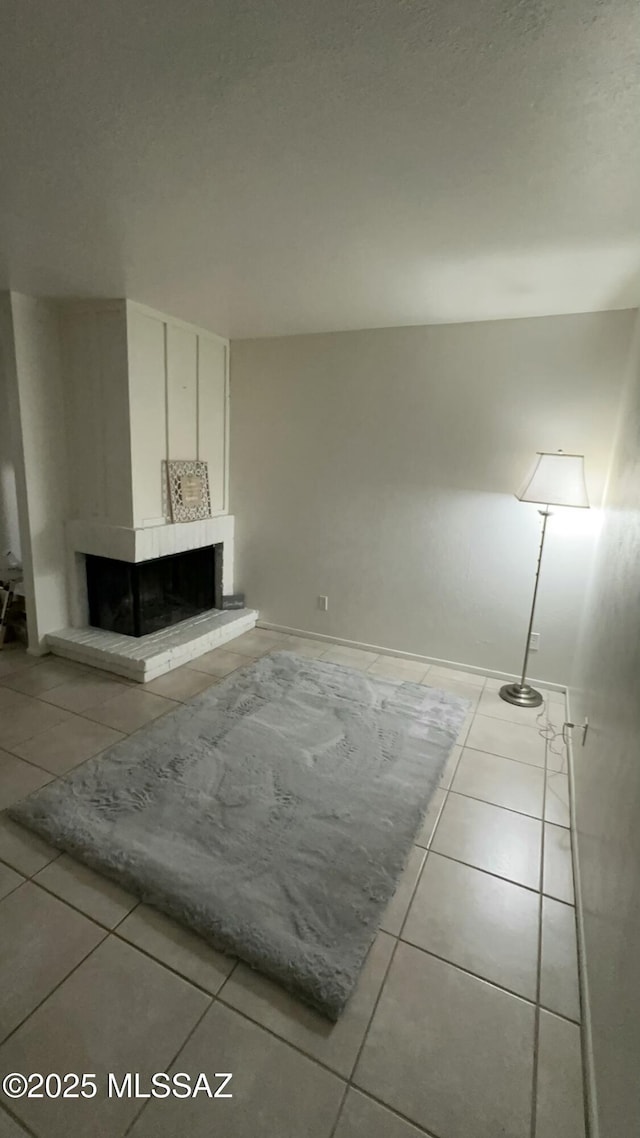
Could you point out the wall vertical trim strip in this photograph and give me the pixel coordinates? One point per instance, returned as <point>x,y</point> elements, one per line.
<point>588,1062</point>
<point>197,397</point>
<point>226,440</point>
<point>96,347</point>
<point>165,333</point>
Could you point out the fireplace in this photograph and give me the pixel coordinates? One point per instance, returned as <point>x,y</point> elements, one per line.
<point>136,598</point>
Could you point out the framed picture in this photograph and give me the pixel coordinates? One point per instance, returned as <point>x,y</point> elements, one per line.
<point>188,490</point>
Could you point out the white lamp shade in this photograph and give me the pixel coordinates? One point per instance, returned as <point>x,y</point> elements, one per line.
<point>557,480</point>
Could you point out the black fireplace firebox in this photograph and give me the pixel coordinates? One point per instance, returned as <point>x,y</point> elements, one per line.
<point>136,599</point>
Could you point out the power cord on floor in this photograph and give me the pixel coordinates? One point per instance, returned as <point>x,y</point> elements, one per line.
<point>550,732</point>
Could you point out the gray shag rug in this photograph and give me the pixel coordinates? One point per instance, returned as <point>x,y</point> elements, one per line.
<point>272,814</point>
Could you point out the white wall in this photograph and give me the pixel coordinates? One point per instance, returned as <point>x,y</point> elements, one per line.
<point>379,468</point>
<point>32,349</point>
<point>607,781</point>
<point>9,524</point>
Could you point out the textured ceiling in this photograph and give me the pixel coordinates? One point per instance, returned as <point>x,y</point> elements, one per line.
<point>275,166</point>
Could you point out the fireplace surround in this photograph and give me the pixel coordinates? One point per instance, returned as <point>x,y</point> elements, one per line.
<point>144,658</point>
<point>139,598</point>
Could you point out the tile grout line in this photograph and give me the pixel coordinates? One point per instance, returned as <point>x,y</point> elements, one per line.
<point>388,1109</point>
<point>509,880</point>
<point>341,1106</point>
<point>56,775</point>
<point>30,876</point>
<point>55,987</point>
<point>13,887</point>
<point>446,790</point>
<point>96,723</point>
<point>128,686</point>
<point>31,763</point>
<point>62,774</point>
<point>307,634</point>
<point>88,674</point>
<point>113,929</point>
<point>72,905</point>
<point>79,964</point>
<point>397,1113</point>
<point>374,1009</point>
<point>365,1036</point>
<point>540,912</point>
<point>170,967</point>
<point>82,712</point>
<point>508,758</point>
<point>347,1080</point>
<point>350,1083</point>
<point>15,1118</point>
<point>220,999</point>
<point>80,715</point>
<point>536,1029</point>
<point>170,1063</point>
<point>449,857</point>
<point>531,1000</point>
<point>399,939</point>
<point>499,805</point>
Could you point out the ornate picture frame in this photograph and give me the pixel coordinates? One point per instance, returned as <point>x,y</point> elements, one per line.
<point>188,492</point>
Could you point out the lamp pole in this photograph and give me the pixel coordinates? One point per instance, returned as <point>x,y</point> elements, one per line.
<point>522,694</point>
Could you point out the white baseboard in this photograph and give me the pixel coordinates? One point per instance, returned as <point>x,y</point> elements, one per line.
<point>426,660</point>
<point>588,1065</point>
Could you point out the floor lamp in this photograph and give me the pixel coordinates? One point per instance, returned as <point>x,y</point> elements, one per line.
<point>557,480</point>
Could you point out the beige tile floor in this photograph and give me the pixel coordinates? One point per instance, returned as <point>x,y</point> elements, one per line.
<point>465,1023</point>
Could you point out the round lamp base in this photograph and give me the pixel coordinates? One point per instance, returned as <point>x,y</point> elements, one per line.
<point>522,695</point>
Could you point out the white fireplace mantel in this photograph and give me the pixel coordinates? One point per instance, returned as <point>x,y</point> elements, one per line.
<point>151,541</point>
<point>135,545</point>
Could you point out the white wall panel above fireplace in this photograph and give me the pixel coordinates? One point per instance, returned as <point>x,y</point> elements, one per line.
<point>182,392</point>
<point>213,417</point>
<point>141,387</point>
<point>96,390</point>
<point>148,411</point>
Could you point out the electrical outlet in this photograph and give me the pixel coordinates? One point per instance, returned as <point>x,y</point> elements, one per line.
<point>534,641</point>
<point>323,603</point>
